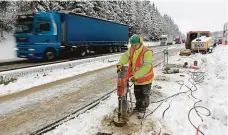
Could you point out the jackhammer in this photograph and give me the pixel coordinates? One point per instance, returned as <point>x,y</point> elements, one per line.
<point>125,110</point>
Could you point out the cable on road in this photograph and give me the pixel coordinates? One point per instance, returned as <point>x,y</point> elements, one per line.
<point>196,78</point>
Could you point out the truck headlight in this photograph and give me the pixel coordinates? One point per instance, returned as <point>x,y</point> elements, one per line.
<point>31,49</point>
<point>16,49</point>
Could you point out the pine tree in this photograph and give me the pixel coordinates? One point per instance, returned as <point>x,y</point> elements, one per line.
<point>3,10</point>
<point>142,17</point>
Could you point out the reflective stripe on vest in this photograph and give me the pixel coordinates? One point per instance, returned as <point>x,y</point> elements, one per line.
<point>130,63</point>
<point>148,76</point>
<point>139,62</point>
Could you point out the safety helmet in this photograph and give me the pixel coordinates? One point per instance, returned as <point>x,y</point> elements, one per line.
<point>136,39</point>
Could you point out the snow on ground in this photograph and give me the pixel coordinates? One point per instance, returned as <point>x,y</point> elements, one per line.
<point>151,43</point>
<point>7,52</point>
<point>212,91</point>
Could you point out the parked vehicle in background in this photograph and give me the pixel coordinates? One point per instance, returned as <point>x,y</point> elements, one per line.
<point>225,34</point>
<point>214,42</point>
<point>219,41</point>
<point>202,44</point>
<point>177,41</point>
<point>191,35</point>
<point>47,35</point>
<point>163,39</point>
<point>170,40</point>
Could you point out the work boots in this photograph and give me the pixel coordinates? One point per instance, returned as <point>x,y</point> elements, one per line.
<point>141,115</point>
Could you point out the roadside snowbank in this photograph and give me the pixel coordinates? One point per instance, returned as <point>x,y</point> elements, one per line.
<point>212,91</point>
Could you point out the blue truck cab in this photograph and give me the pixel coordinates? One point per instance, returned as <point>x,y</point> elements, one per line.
<point>47,35</point>
<point>36,35</point>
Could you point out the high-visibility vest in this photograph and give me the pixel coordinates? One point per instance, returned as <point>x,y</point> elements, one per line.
<point>139,62</point>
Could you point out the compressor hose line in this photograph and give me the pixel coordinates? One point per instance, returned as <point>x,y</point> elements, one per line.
<point>196,78</point>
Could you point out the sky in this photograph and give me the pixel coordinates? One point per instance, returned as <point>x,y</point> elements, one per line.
<point>195,14</point>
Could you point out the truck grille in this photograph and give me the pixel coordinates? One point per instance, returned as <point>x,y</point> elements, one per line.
<point>23,49</point>
<point>22,39</point>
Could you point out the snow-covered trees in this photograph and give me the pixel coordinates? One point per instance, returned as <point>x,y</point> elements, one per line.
<point>142,17</point>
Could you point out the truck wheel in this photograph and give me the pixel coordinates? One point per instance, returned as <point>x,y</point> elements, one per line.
<point>82,52</point>
<point>210,50</point>
<point>110,49</point>
<point>119,49</point>
<point>115,49</point>
<point>50,54</point>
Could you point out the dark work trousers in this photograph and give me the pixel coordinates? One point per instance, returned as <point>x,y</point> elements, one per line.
<point>142,95</point>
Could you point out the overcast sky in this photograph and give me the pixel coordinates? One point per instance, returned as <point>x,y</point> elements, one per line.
<point>195,14</point>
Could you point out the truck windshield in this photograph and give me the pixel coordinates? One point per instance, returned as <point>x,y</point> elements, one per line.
<point>24,24</point>
<point>40,27</point>
<point>163,39</point>
<point>204,34</point>
<point>23,28</point>
<point>193,36</point>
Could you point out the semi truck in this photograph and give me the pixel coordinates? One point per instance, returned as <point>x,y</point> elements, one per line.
<point>166,40</point>
<point>163,39</point>
<point>170,40</point>
<point>47,35</point>
<point>178,40</point>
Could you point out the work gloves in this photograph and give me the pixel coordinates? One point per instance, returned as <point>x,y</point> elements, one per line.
<point>132,78</point>
<point>119,67</point>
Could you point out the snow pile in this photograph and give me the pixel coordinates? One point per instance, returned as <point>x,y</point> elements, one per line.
<point>212,91</point>
<point>170,116</point>
<point>216,86</point>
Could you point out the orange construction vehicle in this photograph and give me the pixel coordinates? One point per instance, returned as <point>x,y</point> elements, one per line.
<point>191,35</point>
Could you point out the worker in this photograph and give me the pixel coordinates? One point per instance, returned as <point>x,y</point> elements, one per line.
<point>140,72</point>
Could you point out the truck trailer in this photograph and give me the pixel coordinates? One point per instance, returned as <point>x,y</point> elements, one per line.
<point>170,40</point>
<point>47,35</point>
